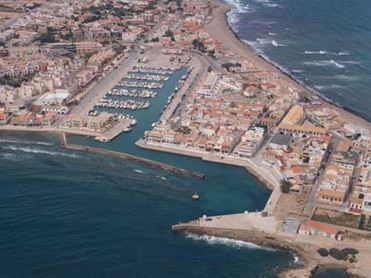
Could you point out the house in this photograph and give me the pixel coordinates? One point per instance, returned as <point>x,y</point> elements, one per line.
<point>5,118</point>
<point>331,196</point>
<point>315,228</point>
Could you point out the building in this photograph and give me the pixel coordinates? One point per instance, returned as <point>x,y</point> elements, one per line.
<point>5,118</point>
<point>331,196</point>
<point>315,228</point>
<point>53,99</point>
<point>280,141</point>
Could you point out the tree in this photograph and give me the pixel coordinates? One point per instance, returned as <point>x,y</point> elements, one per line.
<point>304,96</point>
<point>337,254</point>
<point>285,186</point>
<point>47,38</point>
<point>323,252</point>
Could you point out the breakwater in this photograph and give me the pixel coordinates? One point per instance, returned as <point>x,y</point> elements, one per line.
<point>157,164</point>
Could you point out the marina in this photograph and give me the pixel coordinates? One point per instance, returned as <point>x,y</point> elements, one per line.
<point>132,93</point>
<point>123,104</point>
<point>152,70</point>
<point>153,85</point>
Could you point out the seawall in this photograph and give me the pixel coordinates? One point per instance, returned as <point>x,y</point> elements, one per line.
<point>125,156</point>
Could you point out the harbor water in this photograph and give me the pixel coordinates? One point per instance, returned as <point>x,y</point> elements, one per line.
<point>76,214</point>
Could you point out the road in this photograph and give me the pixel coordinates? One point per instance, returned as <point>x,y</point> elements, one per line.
<point>311,202</point>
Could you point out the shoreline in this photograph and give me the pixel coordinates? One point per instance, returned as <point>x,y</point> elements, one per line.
<point>208,158</point>
<point>229,37</point>
<point>305,262</point>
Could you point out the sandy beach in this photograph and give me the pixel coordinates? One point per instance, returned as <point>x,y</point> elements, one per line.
<point>219,29</point>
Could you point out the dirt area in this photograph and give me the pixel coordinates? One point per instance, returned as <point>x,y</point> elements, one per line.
<point>291,203</point>
<point>336,218</point>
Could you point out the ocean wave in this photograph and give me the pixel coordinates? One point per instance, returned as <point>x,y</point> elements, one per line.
<point>272,5</point>
<point>254,45</point>
<point>342,77</point>
<point>25,142</point>
<point>350,62</point>
<point>238,244</point>
<point>325,63</point>
<point>322,52</point>
<point>239,7</point>
<point>327,87</point>
<point>296,71</point>
<point>11,157</point>
<point>162,177</point>
<point>264,41</point>
<point>38,151</point>
<point>272,34</point>
<point>138,171</point>
<point>276,44</point>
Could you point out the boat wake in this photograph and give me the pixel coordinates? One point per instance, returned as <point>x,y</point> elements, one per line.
<point>238,244</point>
<point>39,151</point>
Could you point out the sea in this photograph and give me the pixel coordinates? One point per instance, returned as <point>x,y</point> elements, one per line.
<point>325,45</point>
<point>76,214</point>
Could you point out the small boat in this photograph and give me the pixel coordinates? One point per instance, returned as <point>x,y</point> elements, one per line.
<point>195,196</point>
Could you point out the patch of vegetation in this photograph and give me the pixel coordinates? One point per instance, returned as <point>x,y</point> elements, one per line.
<point>183,130</point>
<point>48,37</point>
<point>336,218</point>
<point>285,186</point>
<point>262,126</point>
<point>199,45</point>
<point>92,18</point>
<point>323,252</point>
<point>365,222</point>
<point>349,251</point>
<point>336,254</point>
<point>229,65</point>
<point>346,254</point>
<point>304,96</point>
<point>16,81</point>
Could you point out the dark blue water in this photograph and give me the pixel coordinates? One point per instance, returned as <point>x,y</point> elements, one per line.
<point>325,44</point>
<point>75,214</point>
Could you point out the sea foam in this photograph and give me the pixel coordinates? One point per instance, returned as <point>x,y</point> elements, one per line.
<point>38,151</point>
<point>324,63</point>
<point>238,244</point>
<point>323,52</point>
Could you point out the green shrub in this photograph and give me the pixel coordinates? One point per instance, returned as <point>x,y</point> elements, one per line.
<point>349,251</point>
<point>285,186</point>
<point>323,252</point>
<point>336,254</point>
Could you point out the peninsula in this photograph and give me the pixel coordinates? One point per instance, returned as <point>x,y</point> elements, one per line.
<point>89,69</point>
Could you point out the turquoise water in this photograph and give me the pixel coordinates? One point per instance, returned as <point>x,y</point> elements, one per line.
<point>76,214</point>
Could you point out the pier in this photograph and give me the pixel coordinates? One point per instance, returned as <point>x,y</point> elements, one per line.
<point>125,156</point>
